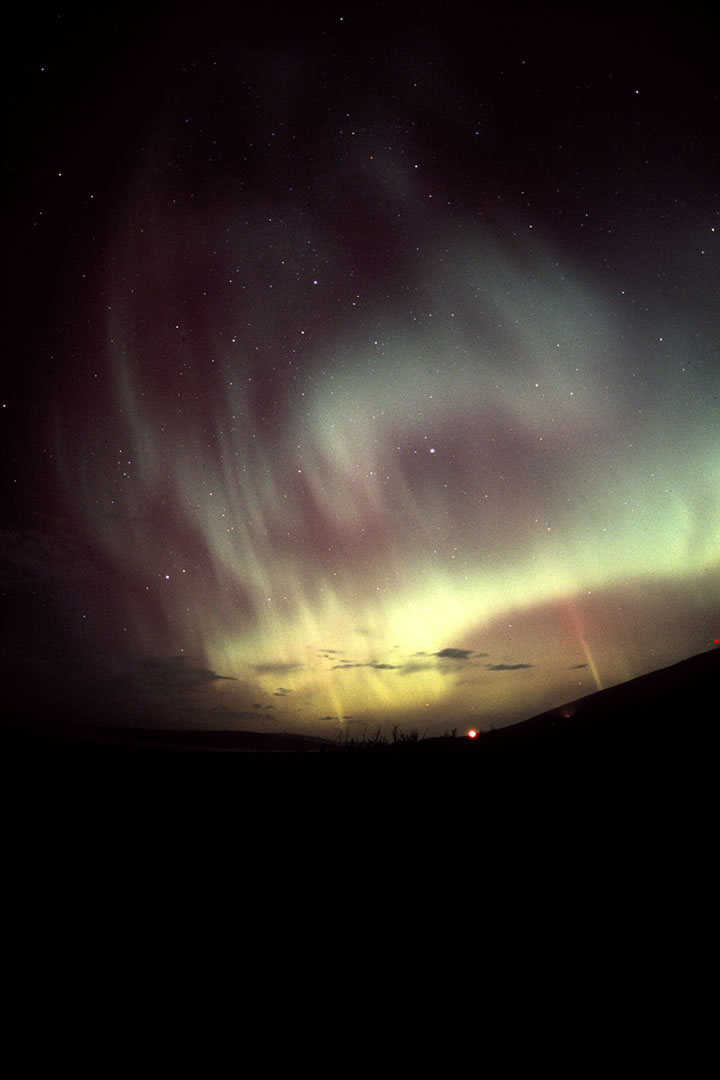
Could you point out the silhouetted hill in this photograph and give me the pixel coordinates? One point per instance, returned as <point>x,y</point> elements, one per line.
<point>546,818</point>
<point>680,696</point>
<point>94,740</point>
<point>649,714</point>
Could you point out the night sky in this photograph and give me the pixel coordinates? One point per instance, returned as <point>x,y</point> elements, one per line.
<point>362,363</point>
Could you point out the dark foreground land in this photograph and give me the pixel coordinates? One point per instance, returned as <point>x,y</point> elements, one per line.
<point>647,715</point>
<point>650,741</point>
<point>286,886</point>
<point>450,876</point>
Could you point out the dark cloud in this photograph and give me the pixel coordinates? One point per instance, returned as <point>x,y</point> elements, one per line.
<point>224,718</point>
<point>276,669</point>
<point>412,668</point>
<point>508,667</point>
<point>282,691</point>
<point>575,667</point>
<point>370,664</point>
<point>173,675</point>
<point>454,654</point>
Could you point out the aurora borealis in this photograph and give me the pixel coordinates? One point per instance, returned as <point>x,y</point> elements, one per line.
<point>377,376</point>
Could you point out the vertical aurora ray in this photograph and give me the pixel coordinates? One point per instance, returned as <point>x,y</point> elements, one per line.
<point>400,494</point>
<point>372,415</point>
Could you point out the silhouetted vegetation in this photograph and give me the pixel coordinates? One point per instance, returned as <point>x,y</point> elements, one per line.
<point>380,741</point>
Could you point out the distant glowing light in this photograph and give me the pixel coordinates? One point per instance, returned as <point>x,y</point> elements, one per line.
<point>472,733</point>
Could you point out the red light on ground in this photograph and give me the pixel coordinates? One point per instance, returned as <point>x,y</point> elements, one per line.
<point>472,733</point>
<point>716,641</point>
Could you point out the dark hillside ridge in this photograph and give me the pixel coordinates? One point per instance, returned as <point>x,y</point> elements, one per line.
<point>648,714</point>
<point>652,712</point>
